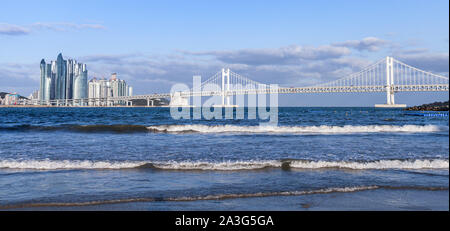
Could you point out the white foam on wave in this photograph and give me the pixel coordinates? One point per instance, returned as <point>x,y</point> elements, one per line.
<point>269,194</point>
<point>380,164</point>
<point>66,164</point>
<point>220,166</point>
<point>305,164</point>
<point>297,129</point>
<point>226,165</point>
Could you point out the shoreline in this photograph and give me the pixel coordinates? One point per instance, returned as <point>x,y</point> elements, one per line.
<point>372,200</point>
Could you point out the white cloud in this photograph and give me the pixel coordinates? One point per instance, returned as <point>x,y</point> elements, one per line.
<point>281,56</point>
<point>365,44</point>
<point>9,29</point>
<point>63,26</point>
<point>15,30</point>
<point>428,61</point>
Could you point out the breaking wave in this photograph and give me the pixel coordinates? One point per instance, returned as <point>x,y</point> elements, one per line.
<point>379,164</point>
<point>198,128</point>
<point>66,164</point>
<point>324,129</point>
<point>226,165</point>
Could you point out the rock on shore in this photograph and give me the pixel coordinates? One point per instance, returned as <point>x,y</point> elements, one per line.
<point>436,106</point>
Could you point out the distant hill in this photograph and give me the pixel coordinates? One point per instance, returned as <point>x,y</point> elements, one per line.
<point>2,95</point>
<point>436,106</point>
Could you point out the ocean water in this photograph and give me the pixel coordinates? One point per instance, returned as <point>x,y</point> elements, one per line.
<point>111,157</point>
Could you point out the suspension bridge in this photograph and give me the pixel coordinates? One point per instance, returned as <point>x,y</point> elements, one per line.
<point>386,75</point>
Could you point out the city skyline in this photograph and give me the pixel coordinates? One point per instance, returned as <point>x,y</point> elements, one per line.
<point>63,79</point>
<point>154,46</point>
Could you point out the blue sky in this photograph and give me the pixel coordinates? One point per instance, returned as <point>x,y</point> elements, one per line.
<point>154,44</point>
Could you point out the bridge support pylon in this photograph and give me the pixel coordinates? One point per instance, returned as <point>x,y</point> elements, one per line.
<point>225,89</point>
<point>390,97</point>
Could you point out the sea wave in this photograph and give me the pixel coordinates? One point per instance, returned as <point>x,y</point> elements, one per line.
<point>199,128</point>
<point>67,164</point>
<point>224,196</point>
<point>379,164</point>
<point>117,128</point>
<point>282,193</point>
<point>226,165</point>
<point>324,129</point>
<point>303,192</point>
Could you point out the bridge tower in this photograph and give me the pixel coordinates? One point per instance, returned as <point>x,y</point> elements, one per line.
<point>225,85</point>
<point>390,80</point>
<point>225,91</point>
<point>390,99</point>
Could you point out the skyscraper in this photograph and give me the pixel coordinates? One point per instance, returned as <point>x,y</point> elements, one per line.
<point>80,89</point>
<point>69,78</point>
<point>60,78</point>
<point>46,82</point>
<point>42,89</point>
<point>63,79</point>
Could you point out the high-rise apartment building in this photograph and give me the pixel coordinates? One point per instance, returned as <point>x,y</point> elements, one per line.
<point>63,79</point>
<point>114,87</point>
<point>99,88</point>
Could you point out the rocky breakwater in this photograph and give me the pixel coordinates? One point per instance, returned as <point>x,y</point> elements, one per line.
<point>436,106</point>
